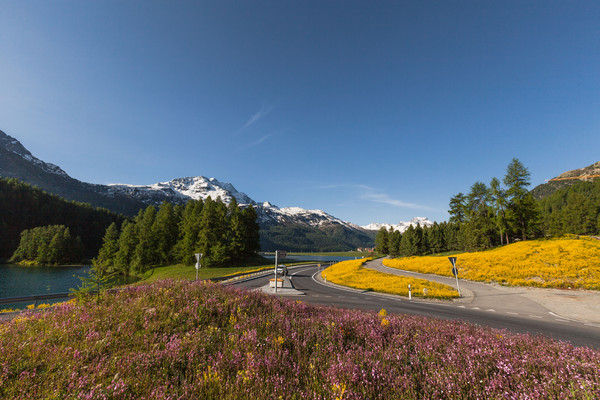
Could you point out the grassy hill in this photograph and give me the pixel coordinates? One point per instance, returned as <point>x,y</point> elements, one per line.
<point>186,340</point>
<point>569,261</point>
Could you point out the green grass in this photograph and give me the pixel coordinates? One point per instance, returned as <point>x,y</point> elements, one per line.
<point>335,254</point>
<point>187,272</point>
<point>180,271</point>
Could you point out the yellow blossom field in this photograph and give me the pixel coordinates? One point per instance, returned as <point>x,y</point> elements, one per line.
<point>352,273</point>
<point>569,261</point>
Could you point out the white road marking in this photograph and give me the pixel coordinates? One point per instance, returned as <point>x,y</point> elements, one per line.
<point>490,310</point>
<point>512,313</point>
<point>475,308</point>
<point>561,318</point>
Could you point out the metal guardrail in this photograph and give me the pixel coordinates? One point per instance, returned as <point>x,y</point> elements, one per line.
<point>55,296</point>
<point>51,296</point>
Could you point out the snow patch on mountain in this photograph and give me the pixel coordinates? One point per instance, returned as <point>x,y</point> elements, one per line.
<point>14,146</point>
<point>401,226</point>
<point>314,218</point>
<point>200,188</point>
<point>182,189</point>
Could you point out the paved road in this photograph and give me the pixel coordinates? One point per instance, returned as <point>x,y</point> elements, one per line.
<point>493,310</point>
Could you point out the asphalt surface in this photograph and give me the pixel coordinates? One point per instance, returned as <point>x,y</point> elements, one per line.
<point>488,308</point>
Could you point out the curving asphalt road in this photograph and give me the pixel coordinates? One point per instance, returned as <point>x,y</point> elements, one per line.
<point>482,307</point>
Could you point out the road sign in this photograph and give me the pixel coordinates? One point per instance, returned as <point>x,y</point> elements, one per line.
<point>455,272</point>
<point>281,254</point>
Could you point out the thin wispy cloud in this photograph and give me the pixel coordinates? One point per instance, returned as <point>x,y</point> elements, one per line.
<point>256,142</point>
<point>370,194</point>
<point>386,199</point>
<point>254,118</point>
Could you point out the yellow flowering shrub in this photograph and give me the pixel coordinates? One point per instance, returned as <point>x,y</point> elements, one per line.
<point>351,273</point>
<point>569,261</point>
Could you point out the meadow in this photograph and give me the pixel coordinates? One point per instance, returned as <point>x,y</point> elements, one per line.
<point>565,262</point>
<point>352,273</point>
<point>198,340</point>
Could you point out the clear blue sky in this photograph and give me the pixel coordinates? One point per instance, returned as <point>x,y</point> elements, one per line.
<point>372,111</point>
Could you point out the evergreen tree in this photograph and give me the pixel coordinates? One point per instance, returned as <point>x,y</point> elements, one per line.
<point>127,244</point>
<point>165,231</point>
<point>498,198</point>
<point>382,240</point>
<point>52,244</point>
<point>409,243</point>
<point>251,232</point>
<point>189,230</point>
<point>144,255</point>
<point>110,247</point>
<point>394,240</point>
<point>451,236</point>
<point>420,240</point>
<point>236,231</point>
<point>436,239</point>
<point>522,212</point>
<point>458,208</point>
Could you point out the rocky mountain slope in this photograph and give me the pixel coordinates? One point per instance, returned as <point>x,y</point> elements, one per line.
<point>17,162</point>
<point>566,179</point>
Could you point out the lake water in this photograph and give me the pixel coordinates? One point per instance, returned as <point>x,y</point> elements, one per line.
<point>18,281</point>
<point>295,258</point>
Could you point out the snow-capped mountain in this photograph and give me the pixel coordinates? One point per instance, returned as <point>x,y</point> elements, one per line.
<point>291,228</point>
<point>14,147</point>
<point>181,190</point>
<point>200,188</point>
<point>401,226</point>
<point>314,218</point>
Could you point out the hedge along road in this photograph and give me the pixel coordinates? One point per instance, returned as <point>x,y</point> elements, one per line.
<point>513,313</point>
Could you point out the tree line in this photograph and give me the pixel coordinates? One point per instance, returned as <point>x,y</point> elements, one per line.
<point>173,234</point>
<point>52,244</point>
<point>23,207</point>
<point>573,209</point>
<point>489,216</point>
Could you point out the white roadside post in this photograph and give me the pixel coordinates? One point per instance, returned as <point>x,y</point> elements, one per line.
<point>409,292</point>
<point>198,257</point>
<point>276,254</point>
<point>455,272</point>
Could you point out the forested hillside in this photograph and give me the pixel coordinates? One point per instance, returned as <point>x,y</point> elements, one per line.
<point>489,216</point>
<point>173,234</point>
<point>25,207</point>
<point>572,209</point>
<point>295,237</point>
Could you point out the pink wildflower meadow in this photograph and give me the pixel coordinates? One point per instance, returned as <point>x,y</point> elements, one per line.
<point>186,340</point>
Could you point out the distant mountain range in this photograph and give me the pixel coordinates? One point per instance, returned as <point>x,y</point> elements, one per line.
<point>290,228</point>
<point>401,226</point>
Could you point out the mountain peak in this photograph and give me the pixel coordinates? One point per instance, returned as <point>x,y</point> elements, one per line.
<point>13,146</point>
<point>400,226</point>
<point>183,189</point>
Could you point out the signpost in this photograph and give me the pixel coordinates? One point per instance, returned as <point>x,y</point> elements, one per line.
<point>278,254</point>
<point>198,257</point>
<point>455,272</point>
